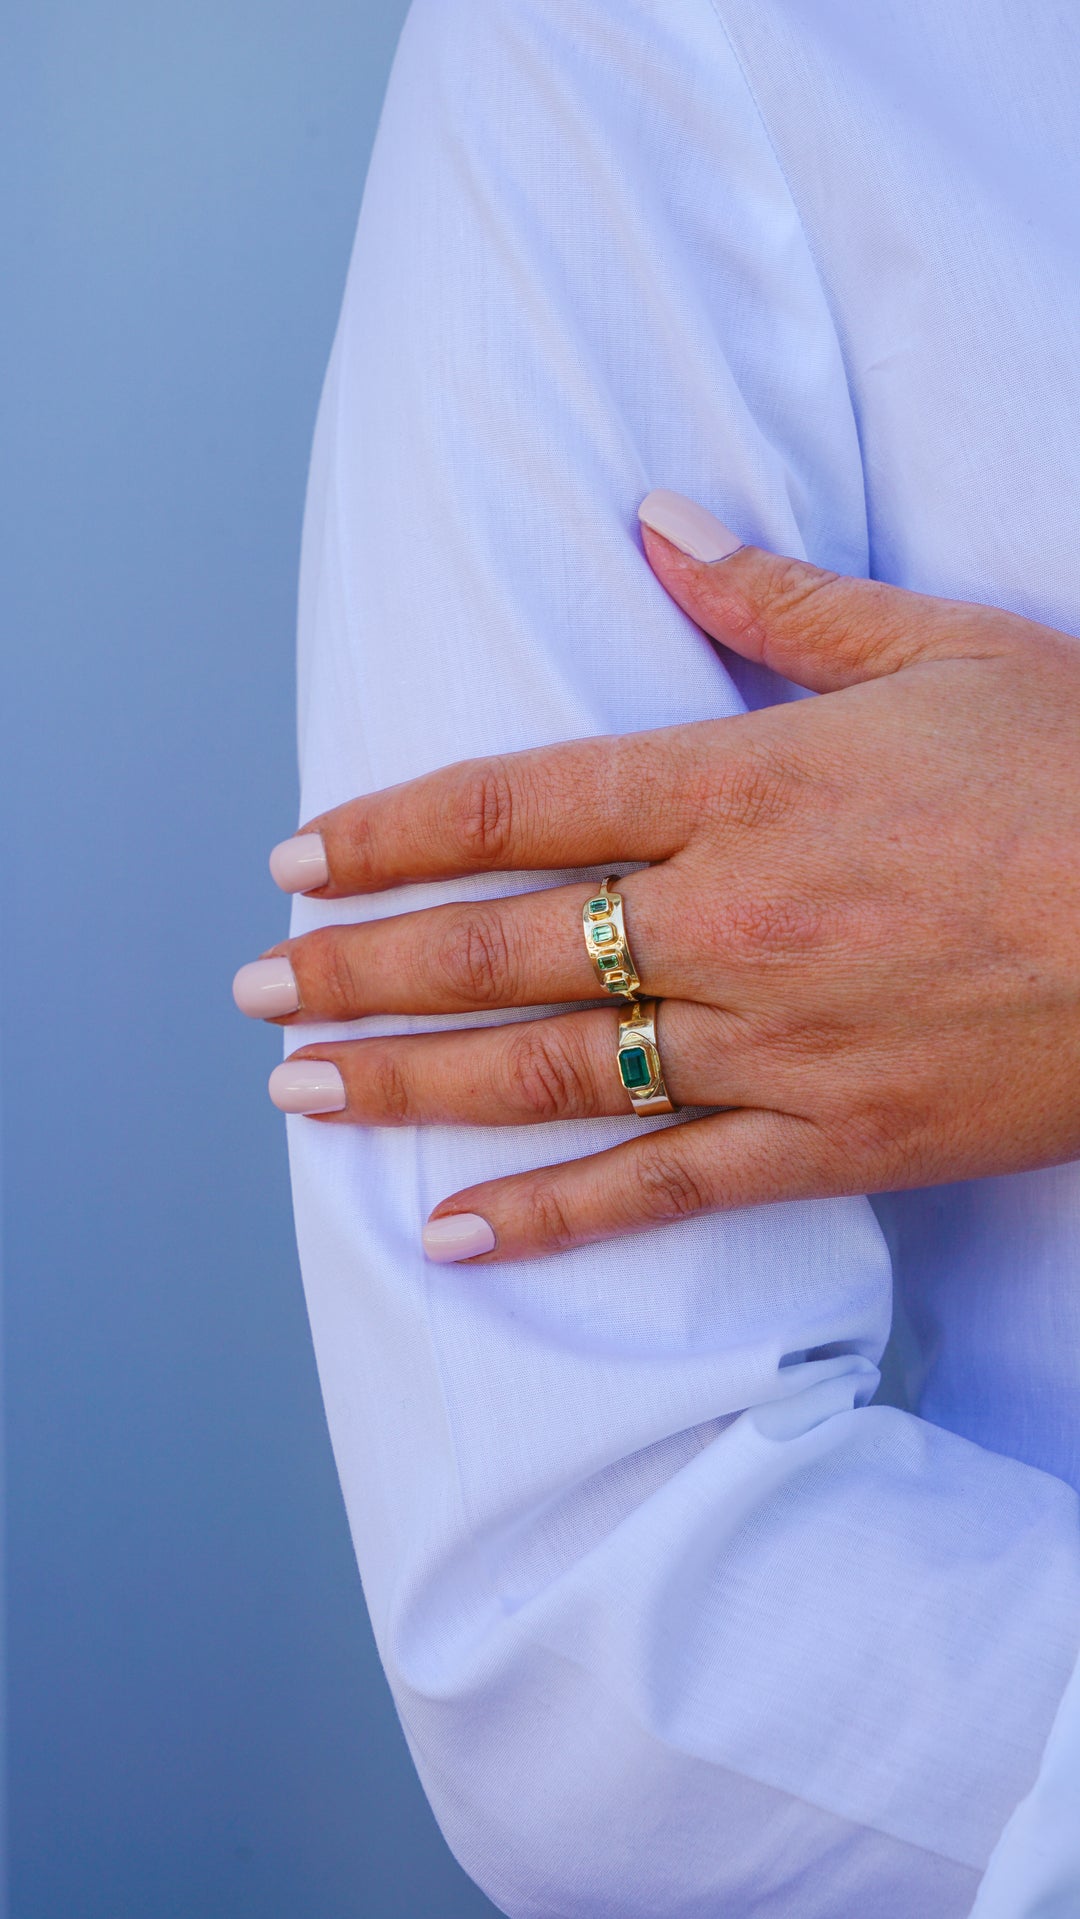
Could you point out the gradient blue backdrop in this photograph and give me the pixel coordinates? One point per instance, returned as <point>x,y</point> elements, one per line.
<point>198,1725</point>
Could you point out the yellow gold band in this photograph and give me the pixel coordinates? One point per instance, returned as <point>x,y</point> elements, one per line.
<point>639,1060</point>
<point>606,943</point>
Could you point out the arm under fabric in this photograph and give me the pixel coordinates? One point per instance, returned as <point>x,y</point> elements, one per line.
<point>676,1623</point>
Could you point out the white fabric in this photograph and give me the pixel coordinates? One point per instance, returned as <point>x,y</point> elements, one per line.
<point>676,1622</point>
<point>1033,1870</point>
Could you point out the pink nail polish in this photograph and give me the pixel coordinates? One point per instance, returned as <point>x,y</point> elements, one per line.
<point>299,865</point>
<point>690,527</point>
<point>266,989</point>
<point>457,1236</point>
<point>307,1086</point>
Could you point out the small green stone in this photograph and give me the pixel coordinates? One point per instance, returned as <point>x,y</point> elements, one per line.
<point>599,908</point>
<point>606,961</point>
<point>634,1068</point>
<point>604,935</point>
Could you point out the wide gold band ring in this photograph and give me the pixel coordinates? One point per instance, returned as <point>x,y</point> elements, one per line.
<point>606,943</point>
<point>639,1060</point>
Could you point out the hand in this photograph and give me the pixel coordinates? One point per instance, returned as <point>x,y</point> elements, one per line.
<point>861,913</point>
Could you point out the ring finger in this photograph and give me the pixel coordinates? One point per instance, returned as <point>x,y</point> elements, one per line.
<point>521,1074</point>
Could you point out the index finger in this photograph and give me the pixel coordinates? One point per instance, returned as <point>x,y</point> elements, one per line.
<point>576,804</point>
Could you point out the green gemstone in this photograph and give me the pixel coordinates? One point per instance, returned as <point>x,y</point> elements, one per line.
<point>604,935</point>
<point>599,907</point>
<point>634,1068</point>
<point>606,961</point>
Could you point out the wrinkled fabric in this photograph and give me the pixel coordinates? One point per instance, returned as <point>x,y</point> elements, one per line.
<point>677,1621</point>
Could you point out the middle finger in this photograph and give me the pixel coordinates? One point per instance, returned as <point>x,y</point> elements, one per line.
<point>527,950</point>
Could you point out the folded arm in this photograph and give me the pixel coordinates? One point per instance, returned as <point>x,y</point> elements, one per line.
<point>674,1619</point>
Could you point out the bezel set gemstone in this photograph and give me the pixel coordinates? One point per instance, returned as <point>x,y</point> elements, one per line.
<point>606,940</point>
<point>636,1068</point>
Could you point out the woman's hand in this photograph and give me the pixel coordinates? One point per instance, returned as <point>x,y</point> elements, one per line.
<point>861,913</point>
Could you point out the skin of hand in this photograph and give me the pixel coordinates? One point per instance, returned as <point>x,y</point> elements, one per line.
<point>861,913</point>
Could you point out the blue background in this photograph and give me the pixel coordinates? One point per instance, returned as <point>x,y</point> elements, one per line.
<point>198,1724</point>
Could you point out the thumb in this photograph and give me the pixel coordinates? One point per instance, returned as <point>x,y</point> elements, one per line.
<point>821,630</point>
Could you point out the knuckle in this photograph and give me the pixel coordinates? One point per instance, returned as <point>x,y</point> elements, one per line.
<point>667,1188</point>
<point>809,596</point>
<point>474,961</point>
<point>548,1074</point>
<point>798,1037</point>
<point>389,1093</point>
<point>890,1137</point>
<point>757,928</point>
<point>547,1222</point>
<point>756,789</point>
<point>820,607</point>
<point>330,978</point>
<point>482,812</point>
<point>365,860</point>
<point>877,1130</point>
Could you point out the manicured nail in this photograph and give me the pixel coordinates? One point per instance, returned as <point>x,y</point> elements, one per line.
<point>690,527</point>
<point>307,1086</point>
<point>299,865</point>
<point>457,1236</point>
<point>266,989</point>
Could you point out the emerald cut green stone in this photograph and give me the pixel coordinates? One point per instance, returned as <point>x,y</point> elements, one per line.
<point>606,961</point>
<point>603,935</point>
<point>634,1068</point>
<point>598,907</point>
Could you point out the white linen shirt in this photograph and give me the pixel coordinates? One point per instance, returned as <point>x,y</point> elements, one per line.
<point>676,1621</point>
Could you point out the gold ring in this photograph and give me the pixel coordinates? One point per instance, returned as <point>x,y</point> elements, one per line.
<point>639,1060</point>
<point>605,941</point>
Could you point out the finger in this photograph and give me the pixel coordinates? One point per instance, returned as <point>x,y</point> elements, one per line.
<point>530,1072</point>
<point>582,803</point>
<point>822,630</point>
<point>671,1173</point>
<point>527,950</point>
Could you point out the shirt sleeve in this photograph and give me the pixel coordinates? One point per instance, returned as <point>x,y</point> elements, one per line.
<point>1034,1870</point>
<point>676,1621</point>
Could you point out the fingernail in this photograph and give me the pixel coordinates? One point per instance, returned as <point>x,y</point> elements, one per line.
<point>266,989</point>
<point>299,865</point>
<point>457,1236</point>
<point>307,1086</point>
<point>690,527</point>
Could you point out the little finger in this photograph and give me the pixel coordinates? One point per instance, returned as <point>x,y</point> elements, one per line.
<point>742,1158</point>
